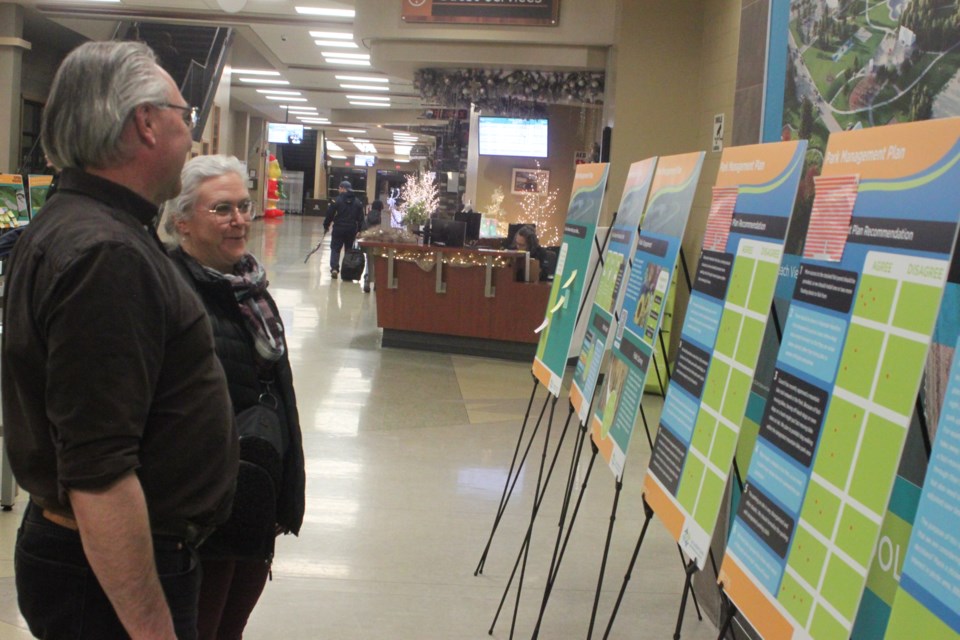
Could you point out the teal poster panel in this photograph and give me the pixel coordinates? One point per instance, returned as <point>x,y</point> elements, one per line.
<point>573,264</point>
<point>647,291</point>
<point>609,296</point>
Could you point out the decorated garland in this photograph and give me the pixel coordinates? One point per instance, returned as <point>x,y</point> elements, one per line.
<point>505,90</point>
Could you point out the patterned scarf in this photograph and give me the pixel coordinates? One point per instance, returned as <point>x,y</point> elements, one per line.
<point>249,284</point>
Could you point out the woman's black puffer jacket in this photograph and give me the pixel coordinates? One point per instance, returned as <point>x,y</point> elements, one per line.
<point>235,349</point>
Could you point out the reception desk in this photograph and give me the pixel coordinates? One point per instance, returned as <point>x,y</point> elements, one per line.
<point>459,300</point>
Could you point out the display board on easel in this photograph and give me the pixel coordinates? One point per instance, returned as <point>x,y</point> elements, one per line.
<point>927,602</point>
<point>878,249</point>
<point>658,245</point>
<point>566,293</point>
<point>610,291</point>
<point>720,341</point>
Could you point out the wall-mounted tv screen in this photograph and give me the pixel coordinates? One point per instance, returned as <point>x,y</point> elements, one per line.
<point>364,161</point>
<point>515,137</point>
<point>284,133</point>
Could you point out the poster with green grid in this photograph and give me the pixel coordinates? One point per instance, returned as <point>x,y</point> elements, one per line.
<point>846,378</point>
<point>720,339</point>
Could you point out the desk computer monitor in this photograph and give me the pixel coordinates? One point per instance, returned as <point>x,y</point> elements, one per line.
<point>447,233</point>
<point>512,231</point>
<point>472,220</point>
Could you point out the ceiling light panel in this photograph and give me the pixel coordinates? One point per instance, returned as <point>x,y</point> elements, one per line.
<point>254,72</point>
<point>361,78</point>
<point>285,98</point>
<point>263,81</point>
<point>332,35</point>
<point>353,130</point>
<point>321,11</point>
<point>278,92</point>
<point>351,56</point>
<point>369,104</point>
<point>364,87</point>
<point>343,44</point>
<point>347,61</point>
<point>333,146</point>
<point>371,98</point>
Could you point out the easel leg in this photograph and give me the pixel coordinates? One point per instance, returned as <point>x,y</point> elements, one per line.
<point>726,620</point>
<point>513,473</point>
<point>558,558</point>
<point>647,517</point>
<point>687,586</point>
<point>538,499</point>
<point>606,554</point>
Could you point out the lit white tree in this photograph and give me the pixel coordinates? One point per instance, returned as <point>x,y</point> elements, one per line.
<point>421,196</point>
<point>496,211</point>
<point>539,207</point>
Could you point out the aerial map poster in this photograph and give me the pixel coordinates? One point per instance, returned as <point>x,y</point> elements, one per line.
<point>609,297</point>
<point>846,379</point>
<point>647,292</point>
<point>720,339</point>
<point>573,264</point>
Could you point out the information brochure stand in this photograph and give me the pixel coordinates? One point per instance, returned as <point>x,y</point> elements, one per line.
<point>882,231</point>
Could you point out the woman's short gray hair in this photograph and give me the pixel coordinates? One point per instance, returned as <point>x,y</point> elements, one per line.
<point>94,92</point>
<point>195,172</point>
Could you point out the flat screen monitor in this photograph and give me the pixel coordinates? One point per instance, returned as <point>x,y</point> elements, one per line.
<point>284,133</point>
<point>364,161</point>
<point>513,137</point>
<point>447,233</point>
<point>472,220</point>
<point>512,231</point>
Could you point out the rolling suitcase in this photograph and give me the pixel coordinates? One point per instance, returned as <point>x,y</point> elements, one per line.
<point>351,268</point>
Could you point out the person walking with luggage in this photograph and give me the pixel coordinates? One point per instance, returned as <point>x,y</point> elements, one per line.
<point>117,418</point>
<point>346,217</point>
<point>211,218</point>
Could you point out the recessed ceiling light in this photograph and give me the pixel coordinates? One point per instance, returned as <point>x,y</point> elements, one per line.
<point>298,107</point>
<point>285,98</point>
<point>373,98</point>
<point>364,87</point>
<point>332,35</point>
<point>255,72</point>
<point>333,146</point>
<point>330,13</point>
<point>347,61</point>
<point>343,44</point>
<point>402,150</point>
<point>338,157</point>
<point>305,111</point>
<point>353,130</point>
<point>351,56</point>
<point>263,81</point>
<point>369,104</point>
<point>361,78</point>
<point>278,92</point>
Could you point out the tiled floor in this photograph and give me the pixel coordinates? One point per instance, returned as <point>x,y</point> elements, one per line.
<point>407,453</point>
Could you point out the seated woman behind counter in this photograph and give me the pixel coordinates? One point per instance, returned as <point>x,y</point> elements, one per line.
<point>526,240</point>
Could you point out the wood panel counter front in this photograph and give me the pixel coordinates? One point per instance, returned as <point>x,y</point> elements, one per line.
<point>473,294</point>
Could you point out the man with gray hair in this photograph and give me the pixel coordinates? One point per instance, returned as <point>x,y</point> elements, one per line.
<point>117,417</point>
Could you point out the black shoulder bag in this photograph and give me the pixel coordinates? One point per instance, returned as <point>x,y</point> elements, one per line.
<point>263,444</point>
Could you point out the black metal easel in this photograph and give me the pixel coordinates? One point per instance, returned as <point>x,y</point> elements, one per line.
<point>542,482</point>
<point>512,477</point>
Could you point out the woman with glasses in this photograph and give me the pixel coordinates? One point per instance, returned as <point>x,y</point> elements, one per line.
<point>210,220</point>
